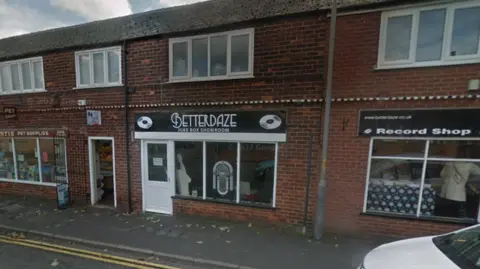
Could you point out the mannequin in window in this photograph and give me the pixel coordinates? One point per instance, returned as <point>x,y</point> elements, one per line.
<point>455,177</point>
<point>183,180</point>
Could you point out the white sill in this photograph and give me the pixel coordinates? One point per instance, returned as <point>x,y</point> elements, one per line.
<point>209,79</point>
<point>98,86</point>
<point>22,92</point>
<point>48,184</point>
<point>426,64</point>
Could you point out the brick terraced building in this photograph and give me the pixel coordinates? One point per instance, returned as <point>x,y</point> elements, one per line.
<point>220,114</point>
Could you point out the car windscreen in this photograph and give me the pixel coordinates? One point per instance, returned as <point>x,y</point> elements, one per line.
<point>463,247</point>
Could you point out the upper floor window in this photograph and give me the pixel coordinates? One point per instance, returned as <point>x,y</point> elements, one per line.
<point>21,76</point>
<point>98,68</point>
<point>215,56</point>
<point>431,36</point>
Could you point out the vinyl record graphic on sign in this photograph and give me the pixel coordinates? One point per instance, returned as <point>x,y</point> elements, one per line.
<point>270,122</point>
<point>145,122</point>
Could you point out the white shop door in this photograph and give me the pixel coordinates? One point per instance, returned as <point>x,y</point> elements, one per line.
<point>159,184</point>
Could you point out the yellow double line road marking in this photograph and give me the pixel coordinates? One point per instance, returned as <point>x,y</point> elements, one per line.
<point>106,258</point>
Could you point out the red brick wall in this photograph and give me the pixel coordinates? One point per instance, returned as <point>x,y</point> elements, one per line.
<point>356,58</point>
<point>354,76</point>
<point>288,64</point>
<point>27,189</point>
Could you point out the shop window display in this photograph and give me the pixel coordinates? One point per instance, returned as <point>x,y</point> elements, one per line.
<point>189,168</point>
<point>252,182</point>
<point>60,154</point>
<point>27,159</point>
<point>7,166</point>
<point>53,160</point>
<point>33,155</point>
<point>257,167</point>
<point>221,171</point>
<point>448,186</point>
<point>394,186</point>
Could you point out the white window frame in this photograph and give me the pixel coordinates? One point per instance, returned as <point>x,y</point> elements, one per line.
<point>39,162</point>
<point>19,63</point>
<point>238,170</point>
<point>424,159</point>
<point>446,59</point>
<point>229,75</point>
<point>92,83</point>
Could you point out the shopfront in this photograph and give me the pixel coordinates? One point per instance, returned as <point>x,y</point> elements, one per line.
<point>224,156</point>
<point>423,164</point>
<point>35,157</point>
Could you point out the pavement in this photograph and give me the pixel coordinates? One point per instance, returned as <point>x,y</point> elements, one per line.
<point>198,239</point>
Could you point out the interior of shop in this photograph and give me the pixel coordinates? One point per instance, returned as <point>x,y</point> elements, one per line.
<point>104,175</point>
<point>451,178</point>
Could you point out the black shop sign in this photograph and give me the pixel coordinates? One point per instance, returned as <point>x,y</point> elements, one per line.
<point>420,123</point>
<point>212,122</point>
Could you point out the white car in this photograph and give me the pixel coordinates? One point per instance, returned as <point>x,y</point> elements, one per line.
<point>456,250</point>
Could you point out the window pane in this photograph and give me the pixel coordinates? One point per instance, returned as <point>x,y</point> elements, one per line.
<point>27,161</point>
<point>180,59</point>
<point>240,53</point>
<point>53,160</point>
<point>157,162</point>
<point>451,189</point>
<point>430,35</point>
<point>454,149</point>
<point>398,38</point>
<point>399,148</point>
<point>84,62</point>
<point>38,75</point>
<point>113,66</point>
<point>221,171</point>
<point>15,77</point>
<point>394,186</point>
<point>466,31</point>
<point>200,57</point>
<point>60,151</point>
<point>6,79</point>
<point>98,68</point>
<point>257,164</point>
<point>189,168</point>
<point>26,76</point>
<point>218,56</point>
<point>7,167</point>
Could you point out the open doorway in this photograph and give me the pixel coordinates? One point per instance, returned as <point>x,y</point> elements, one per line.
<point>102,171</point>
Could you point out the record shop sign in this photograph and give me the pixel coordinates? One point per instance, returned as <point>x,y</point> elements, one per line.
<point>212,122</point>
<point>420,123</point>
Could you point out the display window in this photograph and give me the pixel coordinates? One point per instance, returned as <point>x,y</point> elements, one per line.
<point>35,160</point>
<point>434,178</point>
<point>7,163</point>
<point>226,171</point>
<point>221,164</point>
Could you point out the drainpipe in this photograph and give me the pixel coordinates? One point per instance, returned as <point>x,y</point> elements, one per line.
<point>127,131</point>
<point>322,186</point>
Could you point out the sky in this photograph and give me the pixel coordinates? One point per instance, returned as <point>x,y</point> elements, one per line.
<point>24,16</point>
